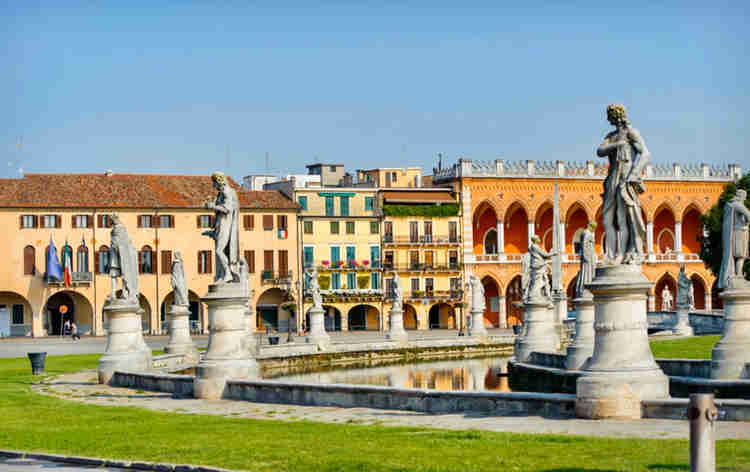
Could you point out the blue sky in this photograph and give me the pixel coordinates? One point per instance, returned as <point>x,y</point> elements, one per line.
<point>190,87</point>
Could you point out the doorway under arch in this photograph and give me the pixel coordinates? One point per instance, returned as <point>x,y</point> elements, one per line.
<point>442,316</point>
<point>410,317</point>
<point>363,318</point>
<point>194,304</point>
<point>15,314</point>
<point>68,306</point>
<point>513,296</point>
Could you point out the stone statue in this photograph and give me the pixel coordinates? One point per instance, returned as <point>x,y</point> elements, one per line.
<point>621,211</point>
<point>734,240</point>
<point>684,289</point>
<point>539,271</point>
<point>398,293</point>
<point>588,259</point>
<point>179,285</point>
<point>123,262</point>
<point>525,275</point>
<point>314,288</point>
<point>666,299</point>
<point>226,230</point>
<point>477,293</point>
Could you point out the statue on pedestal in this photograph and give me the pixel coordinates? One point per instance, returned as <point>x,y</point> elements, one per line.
<point>398,293</point>
<point>666,299</point>
<point>525,276</point>
<point>477,293</point>
<point>539,271</point>
<point>123,263</point>
<point>177,278</point>
<point>734,239</point>
<point>313,287</point>
<point>684,290</point>
<point>587,253</point>
<point>621,211</point>
<point>226,230</point>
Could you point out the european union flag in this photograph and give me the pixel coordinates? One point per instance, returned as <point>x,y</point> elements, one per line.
<point>54,269</point>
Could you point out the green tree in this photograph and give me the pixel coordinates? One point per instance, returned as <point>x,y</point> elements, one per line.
<point>711,244</point>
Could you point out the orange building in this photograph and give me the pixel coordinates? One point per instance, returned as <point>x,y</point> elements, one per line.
<point>504,203</point>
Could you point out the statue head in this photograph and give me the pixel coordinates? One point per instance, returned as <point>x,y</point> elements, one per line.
<point>115,217</point>
<point>592,226</point>
<point>741,194</point>
<point>178,255</point>
<point>616,114</point>
<point>219,179</point>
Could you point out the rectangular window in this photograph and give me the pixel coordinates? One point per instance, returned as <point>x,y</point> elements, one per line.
<point>429,285</point>
<point>29,260</point>
<point>335,281</point>
<point>349,227</point>
<point>308,257</point>
<point>105,221</point>
<point>146,264</point>
<point>302,202</point>
<point>50,221</point>
<point>351,280</point>
<point>374,257</point>
<point>329,206</point>
<point>393,177</point>
<point>369,203</point>
<point>268,260</point>
<point>428,231</point>
<point>308,227</point>
<point>17,314</point>
<point>374,227</point>
<point>334,227</point>
<point>144,221</point>
<point>82,259</point>
<point>166,262</point>
<point>166,221</point>
<point>375,281</point>
<point>28,221</point>
<point>268,222</point>
<point>453,231</point>
<point>250,259</point>
<point>103,262</point>
<point>388,231</point>
<point>455,284</point>
<point>344,206</point>
<point>453,259</point>
<point>351,255</point>
<point>281,221</point>
<point>249,222</point>
<point>414,285</point>
<point>205,221</point>
<point>81,221</point>
<point>388,261</point>
<point>414,259</point>
<point>429,259</point>
<point>283,263</point>
<point>204,262</point>
<point>335,255</point>
<point>413,232</point>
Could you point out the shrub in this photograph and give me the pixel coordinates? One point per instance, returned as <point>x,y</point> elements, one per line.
<point>446,209</point>
<point>363,281</point>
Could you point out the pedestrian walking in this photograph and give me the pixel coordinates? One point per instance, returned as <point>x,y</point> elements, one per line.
<point>66,328</point>
<point>74,332</point>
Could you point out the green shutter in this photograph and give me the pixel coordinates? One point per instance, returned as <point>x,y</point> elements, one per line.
<point>302,202</point>
<point>335,255</point>
<point>350,254</point>
<point>309,260</point>
<point>344,206</point>
<point>329,206</point>
<point>351,280</point>
<point>368,203</point>
<point>375,256</point>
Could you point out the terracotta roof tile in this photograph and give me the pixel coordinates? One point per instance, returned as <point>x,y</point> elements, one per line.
<point>126,191</point>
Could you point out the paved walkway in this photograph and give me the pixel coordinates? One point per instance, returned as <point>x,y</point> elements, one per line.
<point>34,465</point>
<point>82,387</point>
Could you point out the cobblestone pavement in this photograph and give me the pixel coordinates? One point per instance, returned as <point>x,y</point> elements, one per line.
<point>34,465</point>
<point>82,387</point>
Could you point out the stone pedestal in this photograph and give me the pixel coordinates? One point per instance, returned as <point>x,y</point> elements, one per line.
<point>582,346</point>
<point>622,370</point>
<point>250,342</point>
<point>317,334</point>
<point>396,332</point>
<point>126,349</point>
<point>226,356</point>
<point>560,307</point>
<point>180,341</point>
<point>538,332</point>
<point>477,329</point>
<point>682,326</point>
<point>731,355</point>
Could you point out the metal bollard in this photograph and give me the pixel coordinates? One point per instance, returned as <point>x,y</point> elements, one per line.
<point>702,415</point>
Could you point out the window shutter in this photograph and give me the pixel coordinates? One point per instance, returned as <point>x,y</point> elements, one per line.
<point>199,263</point>
<point>99,222</point>
<point>96,262</point>
<point>166,262</point>
<point>156,221</point>
<point>139,221</point>
<point>246,222</point>
<point>36,221</point>
<point>250,258</point>
<point>280,221</point>
<point>58,221</point>
<point>20,221</point>
<point>212,220</point>
<point>252,221</point>
<point>89,221</point>
<point>154,262</point>
<point>73,221</point>
<point>209,262</point>
<point>197,221</point>
<point>140,266</point>
<point>171,221</point>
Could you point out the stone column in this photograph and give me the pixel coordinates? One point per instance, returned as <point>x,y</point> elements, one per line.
<point>531,231</point>
<point>582,346</point>
<point>126,349</point>
<point>651,301</point>
<point>250,343</point>
<point>477,329</point>
<point>180,342</point>
<point>731,355</point>
<point>501,314</point>
<point>397,333</point>
<point>707,301</point>
<point>650,236</point>
<point>317,334</point>
<point>538,332</point>
<point>678,236</point>
<point>226,356</point>
<point>500,236</point>
<point>682,323</point>
<point>622,370</point>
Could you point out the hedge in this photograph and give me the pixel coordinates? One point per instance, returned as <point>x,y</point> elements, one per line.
<point>445,209</point>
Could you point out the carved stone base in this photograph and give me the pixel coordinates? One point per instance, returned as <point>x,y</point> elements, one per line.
<point>180,341</point>
<point>317,334</point>
<point>477,329</point>
<point>396,332</point>
<point>250,342</point>
<point>226,356</point>
<point>682,326</point>
<point>731,355</point>
<point>538,332</point>
<point>126,349</point>
<point>622,370</point>
<point>582,346</point>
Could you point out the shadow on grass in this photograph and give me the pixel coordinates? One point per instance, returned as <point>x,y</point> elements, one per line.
<point>578,469</point>
<point>668,467</point>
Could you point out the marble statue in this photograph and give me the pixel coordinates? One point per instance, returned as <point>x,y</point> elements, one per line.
<point>525,275</point>
<point>684,289</point>
<point>621,211</point>
<point>666,299</point>
<point>588,259</point>
<point>179,285</point>
<point>314,288</point>
<point>539,270</point>
<point>123,262</point>
<point>734,239</point>
<point>398,293</point>
<point>477,293</point>
<point>226,230</point>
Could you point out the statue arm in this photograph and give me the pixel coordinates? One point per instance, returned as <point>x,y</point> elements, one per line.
<point>644,155</point>
<point>740,207</point>
<point>608,145</point>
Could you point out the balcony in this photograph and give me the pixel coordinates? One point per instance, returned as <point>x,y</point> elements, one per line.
<point>76,278</point>
<point>423,240</point>
<point>270,277</point>
<point>422,267</point>
<point>358,266</point>
<point>348,295</point>
<point>431,296</point>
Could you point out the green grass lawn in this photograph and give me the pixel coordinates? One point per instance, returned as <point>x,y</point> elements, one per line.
<point>697,347</point>
<point>34,422</point>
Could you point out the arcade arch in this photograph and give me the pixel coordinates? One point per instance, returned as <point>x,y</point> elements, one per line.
<point>269,313</point>
<point>669,282</point>
<point>442,316</point>
<point>699,292</point>
<point>513,296</point>
<point>410,317</point>
<point>484,221</point>
<point>491,301</point>
<point>516,229</point>
<point>363,318</point>
<point>15,314</point>
<point>68,305</point>
<point>194,304</point>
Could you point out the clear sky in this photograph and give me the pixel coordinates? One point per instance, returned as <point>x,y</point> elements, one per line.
<point>191,87</point>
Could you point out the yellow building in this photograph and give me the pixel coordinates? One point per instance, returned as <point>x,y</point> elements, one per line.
<point>421,242</point>
<point>163,214</point>
<point>387,177</point>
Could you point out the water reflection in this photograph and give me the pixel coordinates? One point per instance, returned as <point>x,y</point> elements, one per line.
<point>473,375</point>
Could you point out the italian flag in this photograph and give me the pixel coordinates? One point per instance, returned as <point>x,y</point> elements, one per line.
<point>67,263</point>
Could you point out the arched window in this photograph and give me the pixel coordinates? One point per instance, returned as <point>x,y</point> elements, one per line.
<point>82,259</point>
<point>102,260</point>
<point>146,260</point>
<point>29,260</point>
